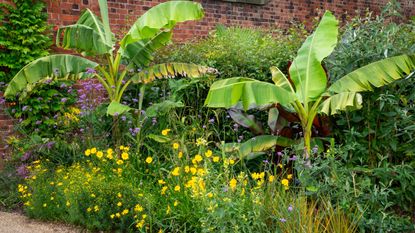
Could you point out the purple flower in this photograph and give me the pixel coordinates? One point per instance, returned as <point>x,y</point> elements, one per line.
<point>154,120</point>
<point>2,100</point>
<point>22,171</point>
<point>283,220</point>
<point>116,114</point>
<point>49,145</point>
<point>26,156</point>
<point>38,122</point>
<point>279,153</point>
<point>25,108</point>
<point>63,85</point>
<point>293,158</point>
<point>290,208</point>
<point>90,71</point>
<point>123,118</point>
<point>63,100</point>
<point>212,120</point>
<point>265,161</point>
<point>315,149</point>
<point>135,100</point>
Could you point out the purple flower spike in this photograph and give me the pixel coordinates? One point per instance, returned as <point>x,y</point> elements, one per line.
<point>279,153</point>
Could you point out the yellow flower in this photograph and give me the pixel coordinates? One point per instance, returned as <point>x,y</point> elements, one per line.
<point>124,155</point>
<point>176,145</point>
<point>164,132</point>
<point>125,212</point>
<point>180,155</point>
<point>231,161</point>
<point>99,154</point>
<point>109,155</point>
<point>176,203</point>
<point>126,148</point>
<point>87,152</point>
<point>119,203</point>
<point>68,203</point>
<point>138,208</point>
<point>289,176</point>
<point>168,210</point>
<point>232,183</point>
<point>186,169</point>
<point>193,170</point>
<point>140,224</point>
<point>96,208</point>
<point>163,190</point>
<point>216,159</point>
<point>112,215</point>
<point>279,165</point>
<point>93,195</point>
<point>177,188</point>
<point>119,162</point>
<point>201,142</point>
<point>285,182</point>
<point>208,153</point>
<point>109,151</point>
<point>121,147</point>
<point>210,195</point>
<point>44,204</point>
<point>161,182</point>
<point>176,171</point>
<point>93,150</point>
<point>198,158</point>
<point>118,215</point>
<point>271,178</point>
<point>119,195</point>
<point>149,160</point>
<point>89,209</point>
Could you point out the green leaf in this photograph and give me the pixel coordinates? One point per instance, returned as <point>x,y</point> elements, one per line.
<point>258,144</point>
<point>162,108</point>
<point>159,138</point>
<point>84,39</point>
<point>116,108</point>
<point>376,74</point>
<point>247,121</point>
<point>140,53</point>
<point>103,8</point>
<point>306,72</point>
<point>340,102</point>
<point>252,93</point>
<point>273,116</point>
<point>58,66</point>
<point>280,79</point>
<point>171,70</point>
<point>162,16</point>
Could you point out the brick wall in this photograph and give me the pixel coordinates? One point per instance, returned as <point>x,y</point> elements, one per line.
<point>6,128</point>
<point>276,13</point>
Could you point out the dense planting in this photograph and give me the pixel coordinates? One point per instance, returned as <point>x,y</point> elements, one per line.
<point>151,157</point>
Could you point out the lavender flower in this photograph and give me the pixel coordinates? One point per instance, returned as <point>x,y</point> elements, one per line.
<point>283,220</point>
<point>22,171</point>
<point>90,71</point>
<point>63,100</point>
<point>293,158</point>
<point>290,208</point>
<point>154,120</point>
<point>135,100</point>
<point>279,153</point>
<point>123,118</point>
<point>25,108</point>
<point>315,149</point>
<point>212,120</point>
<point>2,100</point>
<point>38,122</point>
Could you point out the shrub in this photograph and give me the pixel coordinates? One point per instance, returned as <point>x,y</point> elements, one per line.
<point>384,125</point>
<point>240,52</point>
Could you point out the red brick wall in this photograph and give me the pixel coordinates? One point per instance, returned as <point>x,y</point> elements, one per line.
<point>6,128</point>
<point>276,13</point>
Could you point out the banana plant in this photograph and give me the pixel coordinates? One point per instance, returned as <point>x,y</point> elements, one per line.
<point>91,36</point>
<point>306,91</point>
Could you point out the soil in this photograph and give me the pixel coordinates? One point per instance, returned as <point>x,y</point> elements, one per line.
<point>18,223</point>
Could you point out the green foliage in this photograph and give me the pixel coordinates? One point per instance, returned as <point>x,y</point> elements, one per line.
<point>384,126</point>
<point>239,52</point>
<point>383,194</point>
<point>24,35</point>
<point>49,111</point>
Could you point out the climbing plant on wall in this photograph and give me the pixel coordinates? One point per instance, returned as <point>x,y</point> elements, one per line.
<point>24,35</point>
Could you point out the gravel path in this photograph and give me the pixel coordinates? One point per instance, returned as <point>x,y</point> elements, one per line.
<point>17,223</point>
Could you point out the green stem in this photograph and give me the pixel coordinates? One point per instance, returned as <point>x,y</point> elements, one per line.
<point>122,90</point>
<point>105,84</point>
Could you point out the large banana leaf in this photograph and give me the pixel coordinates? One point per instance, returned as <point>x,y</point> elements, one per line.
<point>116,108</point>
<point>103,8</point>
<point>375,74</point>
<point>306,71</point>
<point>141,52</point>
<point>171,70</point>
<point>61,65</point>
<point>252,93</point>
<point>164,15</point>
<point>258,144</point>
<point>87,36</point>
<point>341,101</point>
